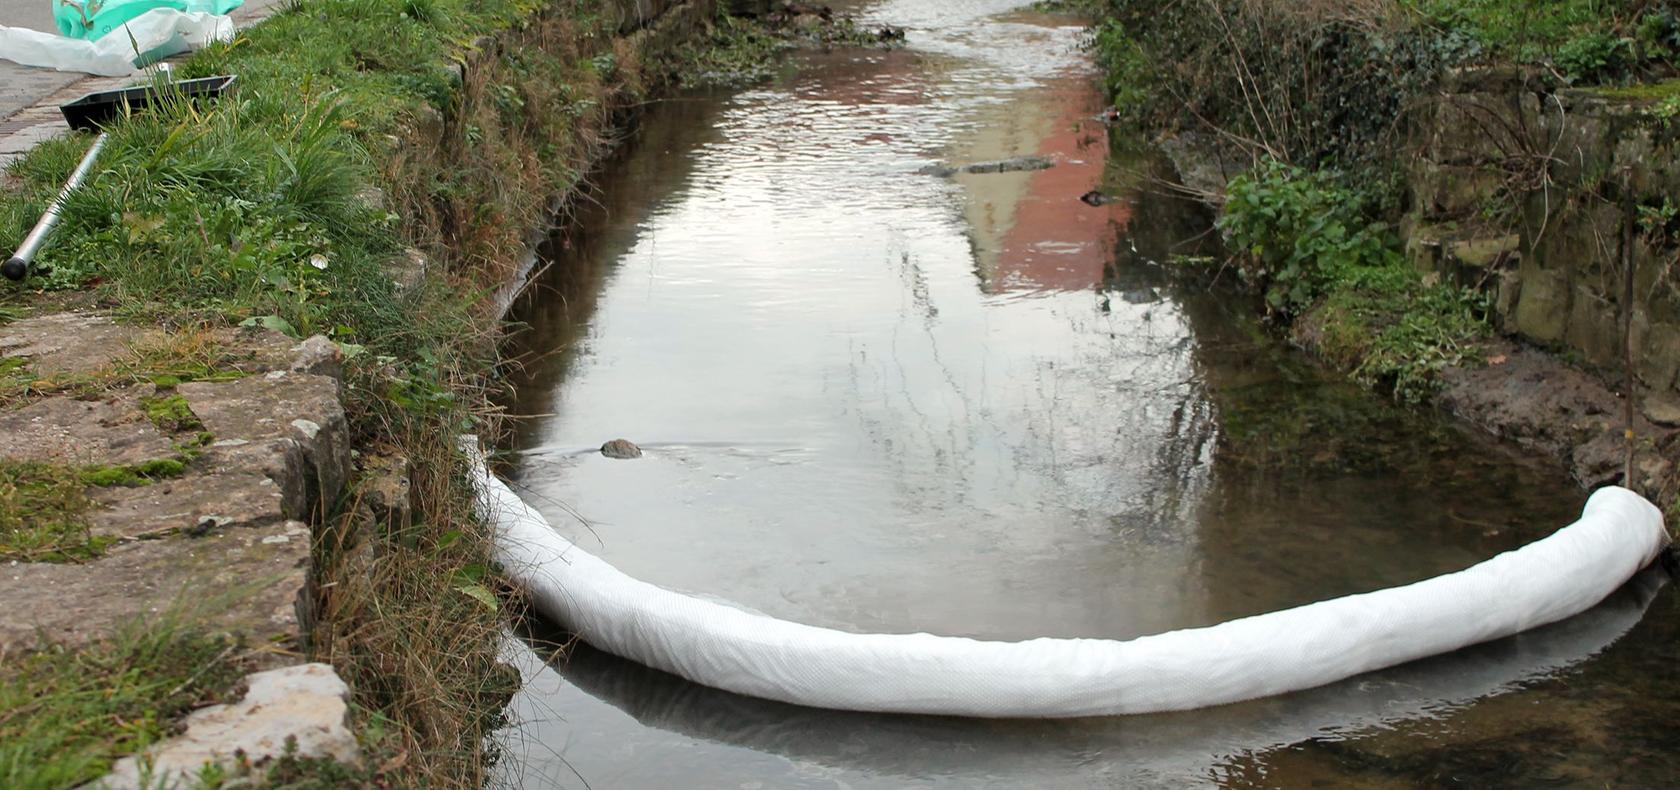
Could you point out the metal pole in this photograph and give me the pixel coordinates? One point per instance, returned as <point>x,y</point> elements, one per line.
<point>17,266</point>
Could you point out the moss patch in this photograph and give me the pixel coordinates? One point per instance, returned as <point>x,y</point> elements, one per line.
<point>43,515</point>
<point>44,507</point>
<point>1645,91</point>
<point>144,473</point>
<point>15,378</point>
<point>171,414</point>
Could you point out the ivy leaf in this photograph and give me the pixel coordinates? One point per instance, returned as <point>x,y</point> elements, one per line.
<point>273,322</point>
<point>480,593</point>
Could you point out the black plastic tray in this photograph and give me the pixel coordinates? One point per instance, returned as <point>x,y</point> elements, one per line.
<point>95,109</point>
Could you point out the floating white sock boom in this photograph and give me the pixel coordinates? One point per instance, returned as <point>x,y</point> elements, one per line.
<point>715,645</point>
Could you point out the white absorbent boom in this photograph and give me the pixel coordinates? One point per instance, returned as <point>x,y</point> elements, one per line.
<point>1618,534</point>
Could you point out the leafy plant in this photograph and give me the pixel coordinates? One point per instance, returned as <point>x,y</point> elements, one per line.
<point>1298,231</point>
<point>1595,56</point>
<point>1124,63</point>
<point>1658,35</point>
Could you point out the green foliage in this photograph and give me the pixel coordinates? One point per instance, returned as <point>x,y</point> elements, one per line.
<point>66,715</point>
<point>1519,28</point>
<point>1396,332</point>
<point>735,51</point>
<point>1658,34</point>
<point>1589,41</point>
<point>1305,241</point>
<point>1299,232</point>
<point>1595,56</point>
<point>1124,64</point>
<point>1312,88</point>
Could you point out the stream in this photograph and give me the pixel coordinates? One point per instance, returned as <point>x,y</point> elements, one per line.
<point>885,400</point>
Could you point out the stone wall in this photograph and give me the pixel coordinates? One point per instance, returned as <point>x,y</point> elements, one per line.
<point>1517,187</point>
<point>637,14</point>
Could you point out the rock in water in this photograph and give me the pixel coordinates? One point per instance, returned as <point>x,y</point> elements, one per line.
<point>621,448</point>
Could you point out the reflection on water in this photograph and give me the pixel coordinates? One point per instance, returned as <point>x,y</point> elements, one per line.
<point>884,401</point>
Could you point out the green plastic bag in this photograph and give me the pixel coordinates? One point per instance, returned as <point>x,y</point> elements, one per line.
<point>91,19</point>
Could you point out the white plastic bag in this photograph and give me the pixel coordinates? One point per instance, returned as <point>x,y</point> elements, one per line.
<point>147,38</point>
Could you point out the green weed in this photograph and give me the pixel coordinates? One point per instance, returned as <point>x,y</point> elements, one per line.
<point>67,714</point>
<point>1395,332</point>
<point>43,515</point>
<point>1306,243</point>
<point>1299,233</point>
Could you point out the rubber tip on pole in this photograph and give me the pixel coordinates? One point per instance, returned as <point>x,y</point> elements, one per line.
<point>15,268</point>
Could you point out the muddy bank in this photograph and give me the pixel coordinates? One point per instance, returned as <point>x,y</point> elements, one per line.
<point>1540,401</point>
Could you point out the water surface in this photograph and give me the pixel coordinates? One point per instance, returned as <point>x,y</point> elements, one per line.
<point>880,400</point>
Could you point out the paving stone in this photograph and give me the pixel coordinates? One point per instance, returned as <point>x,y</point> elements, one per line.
<point>65,430</point>
<point>300,407</point>
<point>31,136</point>
<point>69,342</point>
<point>209,499</point>
<point>319,356</point>
<point>304,704</point>
<point>245,581</point>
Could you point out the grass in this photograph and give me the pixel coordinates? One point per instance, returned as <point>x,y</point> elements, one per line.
<point>66,715</point>
<point>1395,332</point>
<point>43,515</point>
<point>1525,29</point>
<point>360,129</point>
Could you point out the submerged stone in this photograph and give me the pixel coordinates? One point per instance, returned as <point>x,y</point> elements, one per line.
<point>622,449</point>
